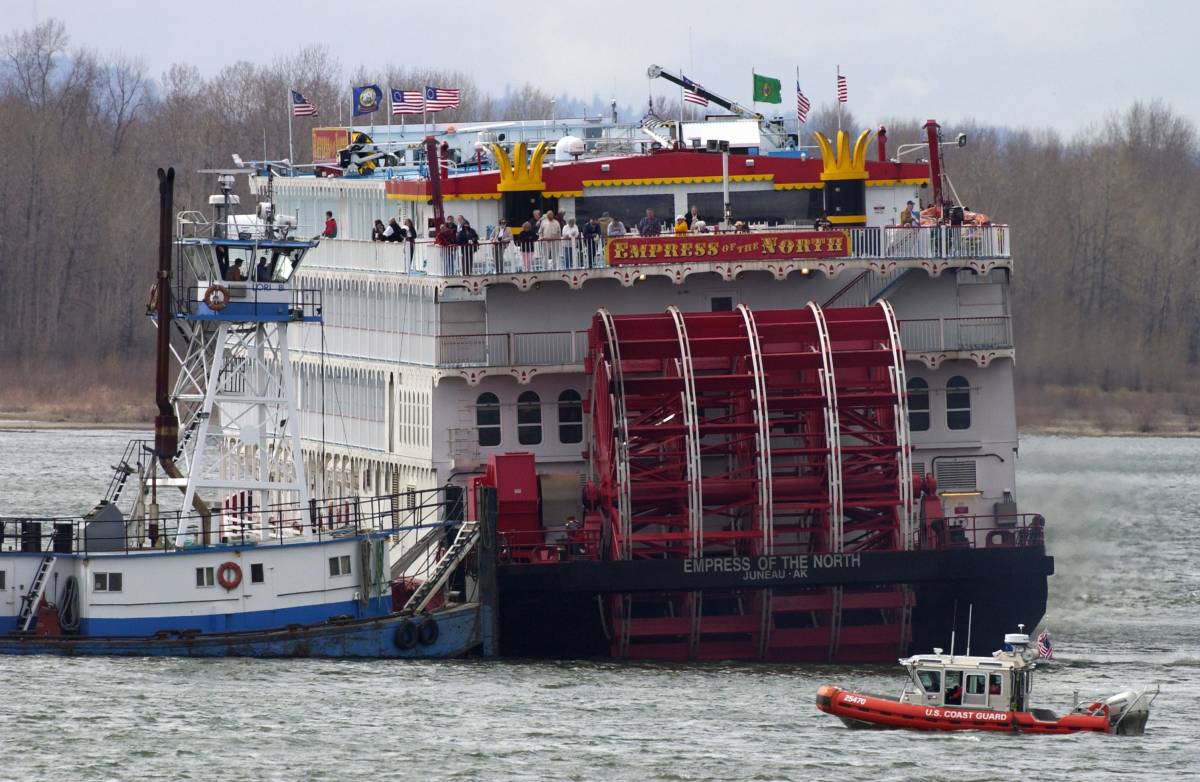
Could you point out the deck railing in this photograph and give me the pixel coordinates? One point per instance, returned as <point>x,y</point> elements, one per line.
<point>927,335</point>
<point>490,257</point>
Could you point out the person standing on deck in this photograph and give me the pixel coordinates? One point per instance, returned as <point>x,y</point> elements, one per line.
<point>591,240</point>
<point>410,236</point>
<point>330,231</point>
<point>550,234</point>
<point>468,242</point>
<point>570,235</point>
<point>649,226</point>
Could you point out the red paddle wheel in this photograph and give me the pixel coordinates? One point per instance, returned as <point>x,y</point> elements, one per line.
<point>741,434</point>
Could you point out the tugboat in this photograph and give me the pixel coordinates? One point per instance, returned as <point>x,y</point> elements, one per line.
<point>249,562</point>
<point>950,692</point>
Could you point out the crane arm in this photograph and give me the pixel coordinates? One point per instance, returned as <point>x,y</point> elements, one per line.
<point>656,72</point>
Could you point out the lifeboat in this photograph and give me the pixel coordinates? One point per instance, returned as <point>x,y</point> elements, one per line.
<point>954,692</point>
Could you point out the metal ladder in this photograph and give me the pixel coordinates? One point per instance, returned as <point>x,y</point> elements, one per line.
<point>468,536</point>
<point>33,597</point>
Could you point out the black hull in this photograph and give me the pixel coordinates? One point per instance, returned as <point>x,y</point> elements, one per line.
<point>557,610</point>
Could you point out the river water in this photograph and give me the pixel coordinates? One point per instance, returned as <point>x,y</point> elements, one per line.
<point>1123,521</point>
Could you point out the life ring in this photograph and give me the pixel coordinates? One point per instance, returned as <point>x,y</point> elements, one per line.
<point>405,636</point>
<point>428,632</point>
<point>229,575</point>
<point>216,297</point>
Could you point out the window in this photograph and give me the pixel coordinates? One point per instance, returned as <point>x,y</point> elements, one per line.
<point>958,403</point>
<point>570,417</point>
<point>995,684</point>
<point>954,691</point>
<point>205,577</point>
<point>106,582</point>
<point>339,566</point>
<point>918,404</point>
<point>975,683</point>
<point>721,303</point>
<point>487,418</point>
<point>931,681</point>
<point>256,573</point>
<point>3,574</point>
<point>529,418</point>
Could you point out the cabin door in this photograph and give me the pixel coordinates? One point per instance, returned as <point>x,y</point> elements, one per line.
<point>976,692</point>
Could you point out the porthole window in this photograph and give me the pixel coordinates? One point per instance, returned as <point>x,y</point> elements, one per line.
<point>958,403</point>
<point>487,418</point>
<point>570,417</point>
<point>529,418</point>
<point>918,404</point>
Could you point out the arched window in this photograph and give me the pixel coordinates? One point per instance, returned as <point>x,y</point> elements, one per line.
<point>958,403</point>
<point>529,418</point>
<point>487,418</point>
<point>570,417</point>
<point>918,404</point>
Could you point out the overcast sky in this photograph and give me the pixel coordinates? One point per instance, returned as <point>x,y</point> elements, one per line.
<point>1053,62</point>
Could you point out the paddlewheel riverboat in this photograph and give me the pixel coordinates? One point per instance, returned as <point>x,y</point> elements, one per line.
<point>946,692</point>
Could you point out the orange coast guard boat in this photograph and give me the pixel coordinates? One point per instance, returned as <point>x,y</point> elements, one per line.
<point>953,692</point>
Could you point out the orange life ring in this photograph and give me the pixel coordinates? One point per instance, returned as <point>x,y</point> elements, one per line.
<point>229,575</point>
<point>216,297</point>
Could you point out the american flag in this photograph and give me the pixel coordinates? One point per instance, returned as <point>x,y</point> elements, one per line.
<point>438,98</point>
<point>1044,647</point>
<point>690,95</point>
<point>802,105</point>
<point>843,92</point>
<point>407,102</point>
<point>301,107</point>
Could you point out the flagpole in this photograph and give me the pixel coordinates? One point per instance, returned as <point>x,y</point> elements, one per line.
<point>798,139</point>
<point>391,108</point>
<point>679,135</point>
<point>291,153</point>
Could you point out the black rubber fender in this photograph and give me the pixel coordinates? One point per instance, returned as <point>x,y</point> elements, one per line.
<point>405,636</point>
<point>428,632</point>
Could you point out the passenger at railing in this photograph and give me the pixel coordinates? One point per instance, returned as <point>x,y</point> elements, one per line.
<point>681,225</point>
<point>823,223</point>
<point>468,243</point>
<point>410,236</point>
<point>615,227</point>
<point>699,226</point>
<point>692,216</point>
<point>591,240</point>
<point>570,235</point>
<point>500,242</point>
<point>393,232</point>
<point>377,231</point>
<point>445,240</point>
<point>526,241</point>
<point>910,217</point>
<point>330,231</point>
<point>649,225</point>
<point>550,234</point>
<point>740,227</point>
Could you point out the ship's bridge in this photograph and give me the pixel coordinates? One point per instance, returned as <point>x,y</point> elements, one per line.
<point>236,271</point>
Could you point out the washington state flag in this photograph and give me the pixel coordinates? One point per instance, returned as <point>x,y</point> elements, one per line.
<point>767,90</point>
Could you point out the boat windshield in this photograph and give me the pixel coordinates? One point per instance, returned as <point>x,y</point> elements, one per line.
<point>931,681</point>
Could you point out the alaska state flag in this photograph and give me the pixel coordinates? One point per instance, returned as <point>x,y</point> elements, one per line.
<point>367,99</point>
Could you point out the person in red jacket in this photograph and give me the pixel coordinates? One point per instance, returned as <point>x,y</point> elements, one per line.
<point>330,231</point>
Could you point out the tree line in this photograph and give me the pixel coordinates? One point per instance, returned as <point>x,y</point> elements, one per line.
<point>1106,290</point>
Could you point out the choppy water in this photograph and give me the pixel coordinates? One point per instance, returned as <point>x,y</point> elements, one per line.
<point>1123,522</point>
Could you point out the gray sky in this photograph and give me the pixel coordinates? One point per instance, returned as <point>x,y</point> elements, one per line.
<point>1051,63</point>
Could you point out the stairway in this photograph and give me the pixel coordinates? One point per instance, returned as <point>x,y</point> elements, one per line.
<point>865,289</point>
<point>468,536</point>
<point>33,597</point>
<point>413,552</point>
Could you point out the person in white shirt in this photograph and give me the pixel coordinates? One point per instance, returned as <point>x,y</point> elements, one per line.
<point>570,235</point>
<point>616,227</point>
<point>549,237</point>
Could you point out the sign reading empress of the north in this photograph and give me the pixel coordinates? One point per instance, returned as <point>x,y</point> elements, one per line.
<point>764,246</point>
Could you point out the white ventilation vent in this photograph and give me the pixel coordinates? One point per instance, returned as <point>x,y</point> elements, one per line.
<point>918,469</point>
<point>956,475</point>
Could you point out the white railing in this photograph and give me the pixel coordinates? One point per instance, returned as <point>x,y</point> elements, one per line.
<point>939,334</point>
<point>492,257</point>
<point>542,348</point>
